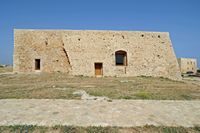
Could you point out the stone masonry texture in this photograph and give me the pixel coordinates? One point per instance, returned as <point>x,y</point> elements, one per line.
<point>187,65</point>
<point>76,51</point>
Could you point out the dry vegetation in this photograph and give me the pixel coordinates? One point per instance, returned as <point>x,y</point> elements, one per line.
<point>57,85</point>
<point>70,129</point>
<point>5,69</point>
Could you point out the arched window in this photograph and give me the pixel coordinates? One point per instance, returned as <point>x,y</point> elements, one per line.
<point>121,58</point>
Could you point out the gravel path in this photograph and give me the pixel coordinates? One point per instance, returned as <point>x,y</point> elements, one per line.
<point>123,113</point>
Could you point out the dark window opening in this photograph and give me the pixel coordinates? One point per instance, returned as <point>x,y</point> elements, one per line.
<point>142,35</point>
<point>37,64</point>
<point>46,43</point>
<point>121,58</point>
<point>79,39</point>
<point>158,36</point>
<point>123,37</point>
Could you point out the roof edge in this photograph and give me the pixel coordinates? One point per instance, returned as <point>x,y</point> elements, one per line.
<point>89,30</point>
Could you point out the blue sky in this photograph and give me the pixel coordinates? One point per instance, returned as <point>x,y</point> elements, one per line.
<point>179,17</point>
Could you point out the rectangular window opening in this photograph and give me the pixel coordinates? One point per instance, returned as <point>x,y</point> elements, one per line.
<point>37,64</point>
<point>121,59</point>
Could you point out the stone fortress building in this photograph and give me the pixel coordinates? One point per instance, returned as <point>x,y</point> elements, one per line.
<point>187,65</point>
<point>95,53</point>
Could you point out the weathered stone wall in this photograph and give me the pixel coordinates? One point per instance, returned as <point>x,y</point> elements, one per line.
<point>75,52</point>
<point>187,65</point>
<point>47,46</point>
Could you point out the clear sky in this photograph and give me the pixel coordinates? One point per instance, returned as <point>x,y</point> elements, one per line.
<point>179,17</point>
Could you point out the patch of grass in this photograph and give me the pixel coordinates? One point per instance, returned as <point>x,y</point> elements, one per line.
<point>62,86</point>
<point>144,76</point>
<point>197,128</point>
<point>126,97</point>
<point>143,95</point>
<point>186,97</point>
<point>101,130</point>
<point>22,128</point>
<point>174,130</point>
<point>97,129</point>
<point>68,129</point>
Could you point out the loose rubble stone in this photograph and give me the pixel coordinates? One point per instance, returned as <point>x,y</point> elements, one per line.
<point>85,96</point>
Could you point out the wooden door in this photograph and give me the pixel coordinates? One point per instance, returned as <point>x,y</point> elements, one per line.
<point>98,69</point>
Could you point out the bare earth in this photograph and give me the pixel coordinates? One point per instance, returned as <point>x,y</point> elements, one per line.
<point>122,113</point>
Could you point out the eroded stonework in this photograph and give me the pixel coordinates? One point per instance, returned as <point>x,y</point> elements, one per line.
<point>76,52</point>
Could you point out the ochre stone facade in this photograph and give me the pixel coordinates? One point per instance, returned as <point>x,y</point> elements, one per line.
<point>187,65</point>
<point>76,52</point>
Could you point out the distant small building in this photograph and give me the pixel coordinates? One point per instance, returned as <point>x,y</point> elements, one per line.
<point>198,71</point>
<point>187,65</point>
<point>3,65</point>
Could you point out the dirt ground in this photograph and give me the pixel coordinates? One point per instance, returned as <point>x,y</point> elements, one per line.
<point>84,113</point>
<point>62,86</point>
